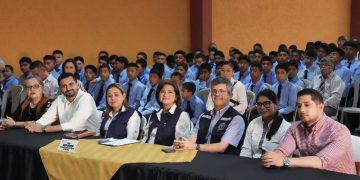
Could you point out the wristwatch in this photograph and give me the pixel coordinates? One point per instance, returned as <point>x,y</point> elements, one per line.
<point>286,161</point>
<point>44,130</point>
<point>198,147</point>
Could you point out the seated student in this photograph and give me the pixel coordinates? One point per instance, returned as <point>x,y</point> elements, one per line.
<point>119,72</point>
<point>219,130</point>
<point>69,66</point>
<point>182,68</point>
<point>119,120</point>
<point>285,92</point>
<point>331,150</point>
<point>59,57</point>
<point>74,109</point>
<point>160,58</point>
<point>199,59</point>
<point>90,75</point>
<point>265,132</point>
<point>244,72</point>
<point>256,85</point>
<point>170,121</point>
<point>330,86</point>
<point>51,87</point>
<point>148,102</point>
<point>32,108</point>
<point>343,72</point>
<point>292,75</point>
<point>268,74</point>
<point>178,78</point>
<point>134,88</point>
<point>205,77</point>
<point>143,76</point>
<point>101,86</point>
<point>296,57</point>
<point>112,61</point>
<point>191,103</point>
<point>311,68</point>
<point>79,61</point>
<point>50,63</point>
<point>103,60</point>
<point>352,62</point>
<point>9,78</point>
<point>24,63</point>
<point>238,100</point>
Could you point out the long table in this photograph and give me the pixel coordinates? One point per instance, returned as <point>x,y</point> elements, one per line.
<point>20,159</point>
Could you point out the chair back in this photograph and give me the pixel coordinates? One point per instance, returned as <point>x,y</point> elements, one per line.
<point>14,93</point>
<point>250,96</point>
<point>355,141</point>
<point>204,94</point>
<point>356,93</point>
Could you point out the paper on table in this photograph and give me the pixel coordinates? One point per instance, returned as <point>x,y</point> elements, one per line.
<point>117,142</point>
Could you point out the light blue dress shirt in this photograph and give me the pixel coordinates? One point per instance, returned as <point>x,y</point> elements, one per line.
<point>136,92</point>
<point>345,74</point>
<point>270,78</point>
<point>196,105</point>
<point>312,72</point>
<point>146,108</point>
<point>107,83</point>
<point>288,97</point>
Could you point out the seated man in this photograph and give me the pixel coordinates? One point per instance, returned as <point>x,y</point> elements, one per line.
<point>292,75</point>
<point>219,130</point>
<point>330,86</point>
<point>134,88</point>
<point>74,109</point>
<point>191,103</point>
<point>205,77</point>
<point>311,68</point>
<point>101,86</point>
<point>322,142</point>
<point>148,102</point>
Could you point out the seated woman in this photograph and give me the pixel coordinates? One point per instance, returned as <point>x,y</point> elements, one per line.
<point>170,121</point>
<point>69,66</point>
<point>119,120</point>
<point>265,132</point>
<point>32,108</point>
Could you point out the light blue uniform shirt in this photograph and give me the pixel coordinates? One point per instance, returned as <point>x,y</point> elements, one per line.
<point>345,74</point>
<point>354,68</point>
<point>259,86</point>
<point>146,108</point>
<point>196,105</point>
<point>136,92</point>
<point>298,82</point>
<point>312,72</point>
<point>288,97</point>
<point>107,83</point>
<point>270,78</point>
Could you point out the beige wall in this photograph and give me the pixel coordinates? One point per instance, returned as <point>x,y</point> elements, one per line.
<point>242,23</point>
<point>84,27</point>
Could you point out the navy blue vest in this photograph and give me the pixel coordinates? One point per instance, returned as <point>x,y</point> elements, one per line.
<point>117,128</point>
<point>219,129</point>
<point>165,133</point>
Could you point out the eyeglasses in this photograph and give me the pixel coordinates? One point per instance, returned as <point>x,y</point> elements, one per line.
<point>266,104</point>
<point>220,91</point>
<point>35,87</point>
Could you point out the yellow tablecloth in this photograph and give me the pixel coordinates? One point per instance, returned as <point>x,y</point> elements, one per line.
<point>94,161</point>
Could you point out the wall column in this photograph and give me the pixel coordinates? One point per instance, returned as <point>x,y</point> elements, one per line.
<point>200,24</point>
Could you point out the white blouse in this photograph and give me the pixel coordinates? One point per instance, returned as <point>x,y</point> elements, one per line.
<point>256,134</point>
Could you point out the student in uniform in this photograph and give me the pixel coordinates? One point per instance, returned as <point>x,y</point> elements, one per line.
<point>191,103</point>
<point>134,88</point>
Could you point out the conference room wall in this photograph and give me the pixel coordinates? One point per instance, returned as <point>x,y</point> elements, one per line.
<point>242,23</point>
<point>84,27</point>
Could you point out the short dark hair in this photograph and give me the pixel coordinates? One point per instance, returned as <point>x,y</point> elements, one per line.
<point>206,66</point>
<point>104,66</point>
<point>244,57</point>
<point>176,74</point>
<point>103,58</point>
<point>190,86</point>
<point>37,64</point>
<point>176,89</point>
<point>219,53</point>
<point>123,60</point>
<point>185,66</point>
<point>142,63</point>
<point>295,64</point>
<point>315,95</point>
<point>351,44</point>
<point>155,71</point>
<point>142,54</point>
<point>230,63</point>
<point>91,67</point>
<point>25,60</point>
<point>66,75</point>
<point>113,57</point>
<point>49,57</point>
<point>256,65</point>
<point>200,55</point>
<point>283,50</point>
<point>282,66</point>
<point>325,47</point>
<point>311,52</point>
<point>339,51</point>
<point>10,67</point>
<point>266,58</point>
<point>180,52</point>
<point>79,58</point>
<point>104,52</point>
<point>132,65</point>
<point>57,51</point>
<point>159,67</point>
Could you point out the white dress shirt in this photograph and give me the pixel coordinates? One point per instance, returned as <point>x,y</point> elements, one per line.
<point>256,132</point>
<point>239,95</point>
<point>73,116</point>
<point>183,127</point>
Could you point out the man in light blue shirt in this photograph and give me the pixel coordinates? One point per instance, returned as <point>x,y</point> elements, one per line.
<point>343,72</point>
<point>101,87</point>
<point>311,68</point>
<point>148,102</point>
<point>205,77</point>
<point>134,88</point>
<point>351,49</point>
<point>143,76</point>
<point>292,75</point>
<point>191,103</point>
<point>50,62</point>
<point>244,72</point>
<point>285,91</point>
<point>9,79</point>
<point>256,85</point>
<point>80,66</point>
<point>119,72</point>
<point>268,75</point>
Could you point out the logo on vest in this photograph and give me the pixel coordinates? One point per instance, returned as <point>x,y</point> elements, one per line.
<point>225,119</point>
<point>221,126</point>
<point>206,116</point>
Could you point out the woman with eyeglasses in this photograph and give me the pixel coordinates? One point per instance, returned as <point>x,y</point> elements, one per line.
<point>170,122</point>
<point>119,120</point>
<point>32,108</point>
<point>265,132</point>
